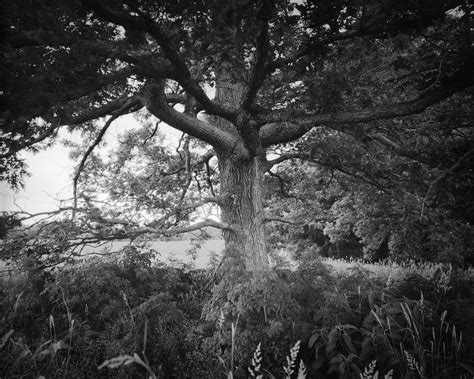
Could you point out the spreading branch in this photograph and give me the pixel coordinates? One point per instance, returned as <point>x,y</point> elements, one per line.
<point>122,104</point>
<point>185,229</point>
<point>395,147</point>
<point>331,165</point>
<point>131,104</point>
<point>50,131</point>
<point>284,220</point>
<point>286,130</point>
<point>381,26</point>
<point>43,104</point>
<point>23,216</point>
<point>143,22</point>
<point>182,208</point>
<point>155,100</point>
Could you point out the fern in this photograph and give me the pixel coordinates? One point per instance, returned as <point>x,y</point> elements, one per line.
<point>289,368</point>
<point>256,363</point>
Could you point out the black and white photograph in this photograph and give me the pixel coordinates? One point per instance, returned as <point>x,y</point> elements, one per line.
<point>237,189</point>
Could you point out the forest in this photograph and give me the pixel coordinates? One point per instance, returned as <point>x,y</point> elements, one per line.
<point>329,144</point>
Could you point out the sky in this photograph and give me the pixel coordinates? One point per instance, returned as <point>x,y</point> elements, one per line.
<point>49,181</point>
<point>52,171</point>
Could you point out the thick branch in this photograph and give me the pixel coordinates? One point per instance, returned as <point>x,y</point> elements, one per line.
<point>184,229</point>
<point>395,147</point>
<point>133,104</point>
<point>93,86</point>
<point>183,75</point>
<point>102,111</point>
<point>158,224</point>
<point>287,130</point>
<point>73,119</point>
<point>331,165</point>
<point>133,233</point>
<point>258,73</point>
<point>156,103</point>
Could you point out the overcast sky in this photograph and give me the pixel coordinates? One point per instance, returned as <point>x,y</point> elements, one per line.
<point>49,181</point>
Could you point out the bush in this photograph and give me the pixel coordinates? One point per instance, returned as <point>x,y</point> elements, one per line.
<point>133,318</point>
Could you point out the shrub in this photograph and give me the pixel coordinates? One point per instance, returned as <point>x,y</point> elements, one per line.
<point>174,322</point>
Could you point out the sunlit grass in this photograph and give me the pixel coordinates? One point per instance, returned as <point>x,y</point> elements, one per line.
<point>388,269</point>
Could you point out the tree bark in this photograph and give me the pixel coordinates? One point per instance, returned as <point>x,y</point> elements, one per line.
<point>242,207</point>
<point>241,177</point>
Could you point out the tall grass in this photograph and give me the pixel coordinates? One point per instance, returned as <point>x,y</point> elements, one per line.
<point>395,270</point>
<point>17,354</point>
<point>275,312</point>
<point>424,352</point>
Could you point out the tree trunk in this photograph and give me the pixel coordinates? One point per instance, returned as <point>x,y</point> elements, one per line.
<point>241,187</point>
<point>241,178</point>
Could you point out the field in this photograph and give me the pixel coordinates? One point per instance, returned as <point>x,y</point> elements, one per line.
<point>173,251</point>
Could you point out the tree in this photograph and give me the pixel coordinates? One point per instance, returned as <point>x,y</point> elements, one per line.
<point>365,200</point>
<point>278,69</point>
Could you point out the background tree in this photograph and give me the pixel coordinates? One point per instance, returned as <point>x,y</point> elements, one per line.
<point>280,72</point>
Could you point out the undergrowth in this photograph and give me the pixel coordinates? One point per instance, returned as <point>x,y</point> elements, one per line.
<point>126,317</point>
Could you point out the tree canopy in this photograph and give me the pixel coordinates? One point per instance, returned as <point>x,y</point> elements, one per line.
<point>379,92</point>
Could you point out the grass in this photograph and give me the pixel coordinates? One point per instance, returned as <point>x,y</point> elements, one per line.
<point>63,347</point>
<point>388,269</point>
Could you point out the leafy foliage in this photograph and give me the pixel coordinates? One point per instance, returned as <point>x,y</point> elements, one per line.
<point>375,95</point>
<point>167,321</point>
<point>360,113</point>
<point>367,201</point>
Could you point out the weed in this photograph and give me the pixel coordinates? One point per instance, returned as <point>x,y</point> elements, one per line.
<point>366,322</point>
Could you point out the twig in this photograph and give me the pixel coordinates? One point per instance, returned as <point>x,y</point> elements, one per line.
<point>152,134</point>
<point>283,220</point>
<point>97,140</point>
<point>281,183</point>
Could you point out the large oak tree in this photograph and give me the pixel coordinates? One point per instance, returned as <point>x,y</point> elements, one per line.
<point>277,70</point>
